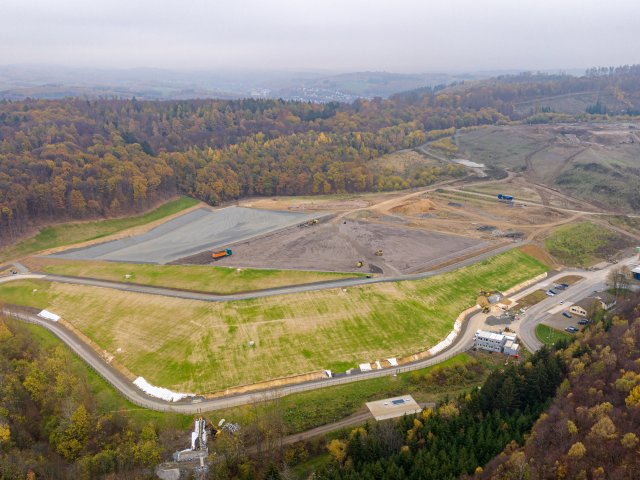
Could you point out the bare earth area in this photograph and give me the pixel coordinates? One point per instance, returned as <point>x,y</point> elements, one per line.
<point>339,245</point>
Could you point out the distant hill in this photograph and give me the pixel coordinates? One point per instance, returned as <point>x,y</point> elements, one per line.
<point>20,82</point>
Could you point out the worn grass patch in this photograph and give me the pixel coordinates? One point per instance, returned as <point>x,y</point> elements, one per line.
<point>203,347</point>
<point>531,299</point>
<point>583,244</point>
<point>549,336</point>
<point>203,278</point>
<point>70,233</point>
<point>630,224</point>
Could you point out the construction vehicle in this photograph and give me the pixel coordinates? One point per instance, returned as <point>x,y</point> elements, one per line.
<point>221,254</point>
<point>310,223</point>
<point>360,264</point>
<point>378,253</point>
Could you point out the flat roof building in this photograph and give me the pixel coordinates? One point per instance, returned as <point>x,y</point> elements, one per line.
<point>496,342</point>
<point>393,407</point>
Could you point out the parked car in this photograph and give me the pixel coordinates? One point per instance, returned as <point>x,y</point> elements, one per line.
<point>565,285</point>
<point>571,329</point>
<point>583,321</point>
<point>550,293</point>
<point>567,314</point>
<point>554,292</point>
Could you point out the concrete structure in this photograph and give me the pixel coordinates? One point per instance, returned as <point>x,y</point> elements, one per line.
<point>393,407</point>
<point>496,342</point>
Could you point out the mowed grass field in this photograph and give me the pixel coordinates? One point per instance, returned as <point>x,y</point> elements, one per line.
<point>70,233</point>
<point>203,347</point>
<point>203,278</point>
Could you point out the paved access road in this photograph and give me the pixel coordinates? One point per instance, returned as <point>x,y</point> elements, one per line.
<point>464,341</point>
<point>212,297</point>
<point>198,405</point>
<point>593,281</point>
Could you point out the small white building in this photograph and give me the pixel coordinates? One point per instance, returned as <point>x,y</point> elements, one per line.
<point>497,342</point>
<point>511,348</point>
<point>489,341</point>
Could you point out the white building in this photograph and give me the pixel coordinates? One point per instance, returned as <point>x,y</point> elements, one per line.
<point>511,348</point>
<point>489,341</point>
<point>496,342</point>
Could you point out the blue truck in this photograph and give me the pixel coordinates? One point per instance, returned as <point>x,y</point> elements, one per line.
<point>508,198</point>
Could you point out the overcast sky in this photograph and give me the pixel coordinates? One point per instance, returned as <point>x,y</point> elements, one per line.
<point>332,35</point>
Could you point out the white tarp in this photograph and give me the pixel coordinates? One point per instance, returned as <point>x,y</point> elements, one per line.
<point>365,367</point>
<point>447,341</point>
<point>393,361</point>
<point>159,392</point>
<point>49,315</point>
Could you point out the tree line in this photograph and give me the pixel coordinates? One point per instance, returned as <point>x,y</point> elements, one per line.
<point>79,158</point>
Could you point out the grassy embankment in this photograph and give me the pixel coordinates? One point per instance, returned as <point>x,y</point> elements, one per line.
<point>303,411</point>
<point>204,347</point>
<point>203,278</point>
<point>70,233</point>
<point>549,336</point>
<point>584,244</point>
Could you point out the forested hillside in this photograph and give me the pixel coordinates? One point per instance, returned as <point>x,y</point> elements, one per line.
<point>80,158</point>
<point>77,158</point>
<point>50,424</point>
<point>456,438</point>
<point>592,429</point>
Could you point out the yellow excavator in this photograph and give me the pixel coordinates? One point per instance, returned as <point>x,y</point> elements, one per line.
<point>378,253</point>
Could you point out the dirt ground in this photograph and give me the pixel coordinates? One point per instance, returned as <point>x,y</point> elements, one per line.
<point>339,245</point>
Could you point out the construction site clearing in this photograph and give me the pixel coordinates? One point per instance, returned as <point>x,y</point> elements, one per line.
<point>387,234</point>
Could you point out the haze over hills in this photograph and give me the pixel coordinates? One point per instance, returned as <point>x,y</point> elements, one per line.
<point>18,82</point>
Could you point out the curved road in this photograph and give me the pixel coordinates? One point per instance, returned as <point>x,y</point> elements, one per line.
<point>199,404</point>
<point>538,313</point>
<point>464,341</point>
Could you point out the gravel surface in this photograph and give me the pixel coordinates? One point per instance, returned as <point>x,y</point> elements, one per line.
<point>338,247</point>
<point>197,231</point>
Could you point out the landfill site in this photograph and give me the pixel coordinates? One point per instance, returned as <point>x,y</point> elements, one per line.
<point>384,234</point>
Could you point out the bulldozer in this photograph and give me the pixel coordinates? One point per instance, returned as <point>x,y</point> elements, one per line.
<point>378,253</point>
<point>483,302</point>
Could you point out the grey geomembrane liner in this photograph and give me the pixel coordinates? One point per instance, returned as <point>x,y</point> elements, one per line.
<point>188,234</point>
